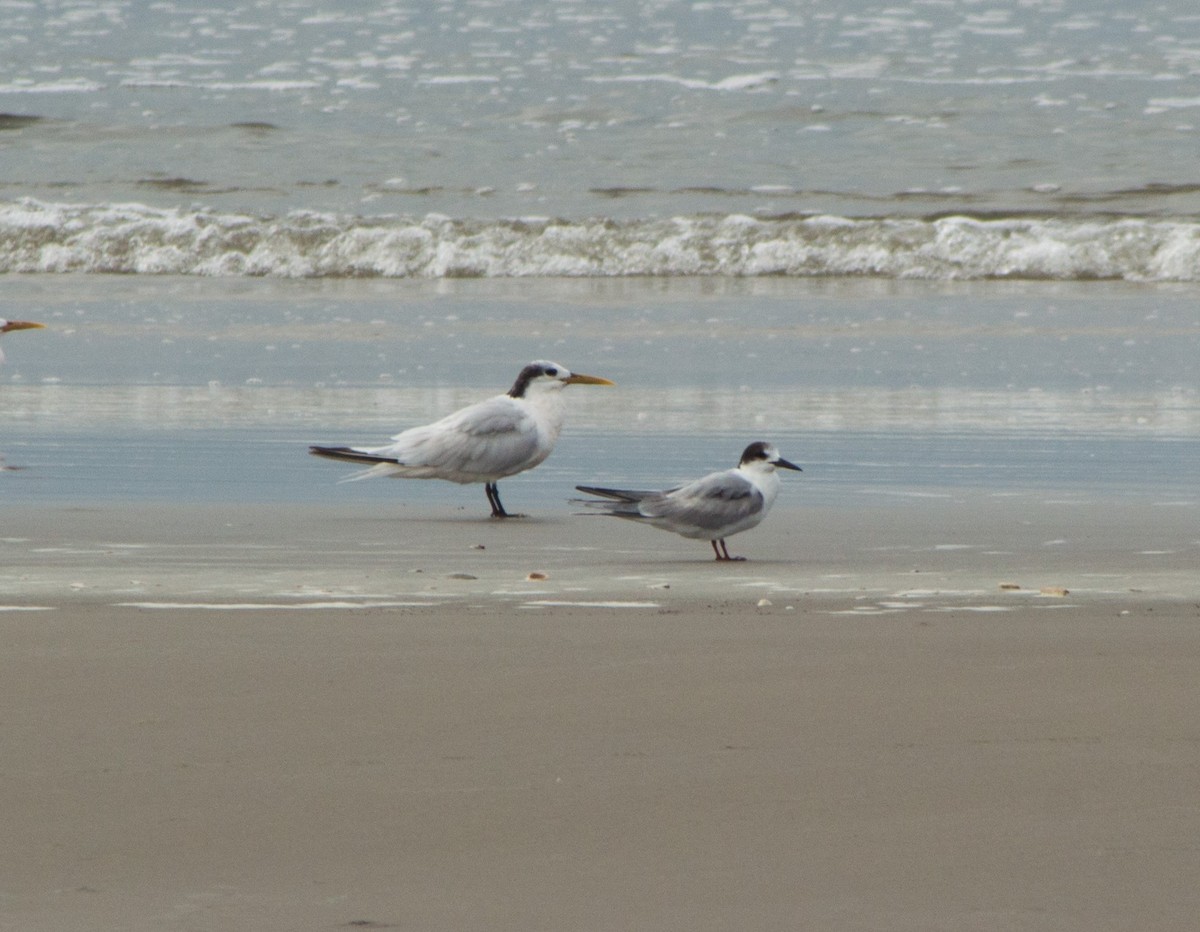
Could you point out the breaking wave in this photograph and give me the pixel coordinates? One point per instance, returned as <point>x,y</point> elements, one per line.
<point>38,237</point>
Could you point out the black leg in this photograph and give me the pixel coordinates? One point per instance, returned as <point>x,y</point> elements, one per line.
<point>493,497</point>
<point>723,552</point>
<point>493,494</point>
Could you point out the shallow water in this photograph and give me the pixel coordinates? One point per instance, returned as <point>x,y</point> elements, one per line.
<point>209,390</point>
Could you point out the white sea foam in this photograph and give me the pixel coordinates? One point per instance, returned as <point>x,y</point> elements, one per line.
<point>552,603</point>
<point>66,86</point>
<point>268,606</point>
<point>132,238</point>
<point>736,82</point>
<point>1175,103</point>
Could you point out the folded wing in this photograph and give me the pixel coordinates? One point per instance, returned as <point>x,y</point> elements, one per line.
<point>712,504</point>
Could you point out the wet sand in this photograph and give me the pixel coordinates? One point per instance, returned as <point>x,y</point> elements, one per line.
<point>315,718</point>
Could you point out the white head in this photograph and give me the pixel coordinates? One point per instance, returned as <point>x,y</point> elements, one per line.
<point>764,457</point>
<point>7,325</point>
<point>542,375</point>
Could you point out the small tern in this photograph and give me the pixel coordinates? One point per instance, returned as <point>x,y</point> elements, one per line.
<point>7,325</point>
<point>483,442</point>
<point>718,506</point>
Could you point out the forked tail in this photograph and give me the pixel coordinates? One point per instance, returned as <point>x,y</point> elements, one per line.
<point>620,502</point>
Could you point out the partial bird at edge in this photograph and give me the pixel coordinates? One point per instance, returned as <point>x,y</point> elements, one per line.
<point>9,325</point>
<point>5,327</point>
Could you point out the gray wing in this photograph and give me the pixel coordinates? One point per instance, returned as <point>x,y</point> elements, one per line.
<point>714,502</point>
<point>492,437</point>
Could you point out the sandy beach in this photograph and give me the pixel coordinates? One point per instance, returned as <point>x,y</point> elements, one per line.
<point>944,256</point>
<point>951,688</point>
<point>316,718</point>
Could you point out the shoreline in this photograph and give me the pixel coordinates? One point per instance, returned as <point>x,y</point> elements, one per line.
<point>288,718</point>
<point>980,552</point>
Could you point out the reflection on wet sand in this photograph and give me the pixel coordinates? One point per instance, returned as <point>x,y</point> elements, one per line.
<point>1164,413</point>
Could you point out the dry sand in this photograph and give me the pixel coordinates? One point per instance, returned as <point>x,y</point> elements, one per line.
<point>289,719</point>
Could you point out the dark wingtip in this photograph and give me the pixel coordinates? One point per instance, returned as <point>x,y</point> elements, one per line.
<point>350,455</point>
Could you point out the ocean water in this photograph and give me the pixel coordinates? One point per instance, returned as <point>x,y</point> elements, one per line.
<point>932,139</point>
<point>929,248</point>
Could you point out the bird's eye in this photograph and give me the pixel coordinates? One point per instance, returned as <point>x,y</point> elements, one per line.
<point>552,372</point>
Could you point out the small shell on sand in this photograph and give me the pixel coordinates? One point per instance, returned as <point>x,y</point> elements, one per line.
<point>1056,591</point>
<point>763,603</point>
<point>536,576</point>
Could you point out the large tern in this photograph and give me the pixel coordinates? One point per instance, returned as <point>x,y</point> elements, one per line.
<point>718,506</point>
<point>7,325</point>
<point>483,442</point>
